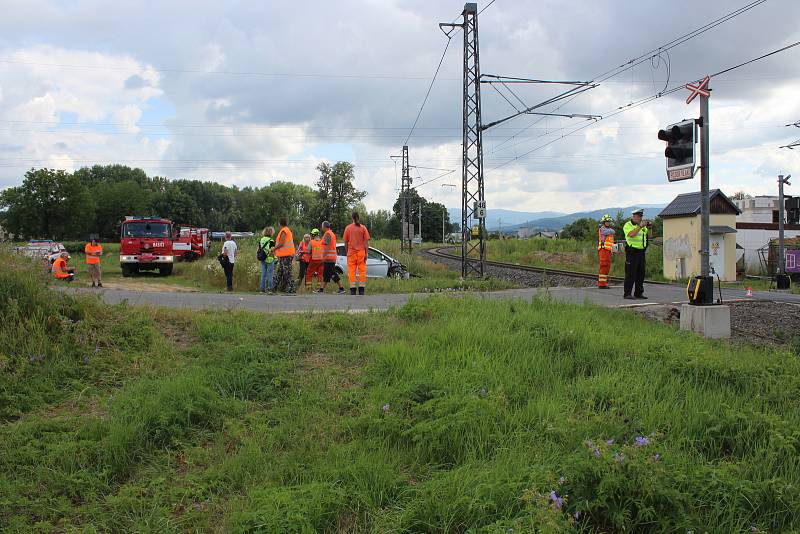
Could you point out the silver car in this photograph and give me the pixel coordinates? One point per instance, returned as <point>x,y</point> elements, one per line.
<point>379,265</point>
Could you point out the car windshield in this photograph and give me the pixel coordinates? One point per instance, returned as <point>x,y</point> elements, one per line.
<point>145,229</point>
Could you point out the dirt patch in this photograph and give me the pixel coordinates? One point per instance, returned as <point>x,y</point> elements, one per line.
<point>337,377</point>
<point>753,322</point>
<point>555,258</point>
<point>143,285</point>
<point>176,328</point>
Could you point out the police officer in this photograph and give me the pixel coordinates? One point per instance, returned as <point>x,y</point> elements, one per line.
<point>636,232</point>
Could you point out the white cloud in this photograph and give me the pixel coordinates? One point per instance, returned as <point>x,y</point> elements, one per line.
<point>289,93</point>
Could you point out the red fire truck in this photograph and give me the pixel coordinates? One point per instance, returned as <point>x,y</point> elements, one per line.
<point>146,245</point>
<point>190,243</point>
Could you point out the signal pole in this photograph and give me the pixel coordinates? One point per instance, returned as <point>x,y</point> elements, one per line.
<point>473,203</point>
<point>705,206</point>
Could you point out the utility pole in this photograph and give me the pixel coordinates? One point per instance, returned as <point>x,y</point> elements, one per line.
<point>500,222</point>
<point>705,206</point>
<point>419,207</point>
<point>444,216</point>
<point>781,280</point>
<point>405,186</point>
<point>473,203</point>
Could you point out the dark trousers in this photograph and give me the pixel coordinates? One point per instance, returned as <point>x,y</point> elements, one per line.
<point>283,275</point>
<point>303,267</point>
<point>228,268</point>
<point>634,271</point>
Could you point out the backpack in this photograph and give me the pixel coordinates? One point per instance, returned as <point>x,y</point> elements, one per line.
<point>261,254</point>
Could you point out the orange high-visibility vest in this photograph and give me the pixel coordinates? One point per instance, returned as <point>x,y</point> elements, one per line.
<point>59,269</point>
<point>287,249</point>
<point>329,246</point>
<point>305,251</point>
<point>89,249</point>
<point>607,243</point>
<point>317,252</point>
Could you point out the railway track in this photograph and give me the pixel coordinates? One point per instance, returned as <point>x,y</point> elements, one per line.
<point>545,271</point>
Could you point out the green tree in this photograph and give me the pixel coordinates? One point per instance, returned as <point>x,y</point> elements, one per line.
<point>380,224</point>
<point>584,229</point>
<point>114,201</point>
<point>49,203</point>
<point>336,194</point>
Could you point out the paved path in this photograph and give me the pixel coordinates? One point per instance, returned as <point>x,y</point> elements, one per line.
<point>663,294</point>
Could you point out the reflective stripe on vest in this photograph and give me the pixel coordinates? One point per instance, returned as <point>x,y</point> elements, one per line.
<point>607,243</point>
<point>316,250</point>
<point>638,242</point>
<point>329,249</point>
<point>287,249</point>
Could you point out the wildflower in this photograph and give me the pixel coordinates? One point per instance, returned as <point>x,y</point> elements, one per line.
<point>86,359</point>
<point>386,407</point>
<point>577,515</point>
<point>610,442</point>
<point>558,501</point>
<point>483,392</point>
<point>597,453</point>
<point>641,441</point>
<point>562,480</point>
<point>619,458</point>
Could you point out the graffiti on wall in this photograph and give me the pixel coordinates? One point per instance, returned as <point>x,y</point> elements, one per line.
<point>677,247</point>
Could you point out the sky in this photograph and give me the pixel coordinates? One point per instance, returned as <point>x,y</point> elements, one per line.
<point>246,93</point>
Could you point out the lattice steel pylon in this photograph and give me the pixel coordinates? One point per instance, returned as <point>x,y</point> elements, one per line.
<point>473,203</point>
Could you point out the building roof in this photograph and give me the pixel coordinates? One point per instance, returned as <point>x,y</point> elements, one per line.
<point>688,204</point>
<point>721,229</point>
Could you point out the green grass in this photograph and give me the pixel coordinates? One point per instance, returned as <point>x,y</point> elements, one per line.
<point>566,254</point>
<point>206,274</point>
<point>447,415</point>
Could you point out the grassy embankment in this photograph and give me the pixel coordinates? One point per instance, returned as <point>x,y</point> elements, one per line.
<point>206,274</point>
<point>566,254</point>
<point>447,415</point>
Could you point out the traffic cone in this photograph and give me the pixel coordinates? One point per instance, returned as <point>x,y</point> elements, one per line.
<point>749,292</point>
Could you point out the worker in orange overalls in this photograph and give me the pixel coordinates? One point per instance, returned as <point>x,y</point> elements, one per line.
<point>93,251</point>
<point>329,258</point>
<point>315,266</point>
<point>356,243</point>
<point>605,244</point>
<point>60,269</point>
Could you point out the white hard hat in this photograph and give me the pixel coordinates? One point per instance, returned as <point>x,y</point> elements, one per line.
<point>639,211</point>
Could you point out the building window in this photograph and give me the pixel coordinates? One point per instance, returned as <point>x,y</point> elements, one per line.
<point>774,216</point>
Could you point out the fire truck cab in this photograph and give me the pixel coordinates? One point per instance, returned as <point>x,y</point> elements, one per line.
<point>146,245</point>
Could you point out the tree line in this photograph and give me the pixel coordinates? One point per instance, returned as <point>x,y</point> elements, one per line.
<point>61,205</point>
<point>585,228</point>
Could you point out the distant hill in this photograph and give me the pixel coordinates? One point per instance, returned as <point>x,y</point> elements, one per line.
<point>558,222</point>
<point>496,217</point>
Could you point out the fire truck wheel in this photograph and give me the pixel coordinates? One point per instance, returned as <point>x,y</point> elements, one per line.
<point>165,271</point>
<point>127,270</point>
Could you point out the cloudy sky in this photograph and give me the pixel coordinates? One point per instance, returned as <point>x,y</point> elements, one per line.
<point>250,92</point>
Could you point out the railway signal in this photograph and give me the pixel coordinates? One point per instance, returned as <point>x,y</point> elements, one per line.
<point>680,153</point>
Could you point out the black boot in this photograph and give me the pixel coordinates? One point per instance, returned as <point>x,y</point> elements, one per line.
<point>361,290</point>
<point>352,291</point>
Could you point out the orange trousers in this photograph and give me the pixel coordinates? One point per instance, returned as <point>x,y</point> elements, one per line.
<point>605,267</point>
<point>357,263</point>
<point>314,267</point>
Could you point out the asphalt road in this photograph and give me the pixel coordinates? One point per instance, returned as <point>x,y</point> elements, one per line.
<point>658,294</point>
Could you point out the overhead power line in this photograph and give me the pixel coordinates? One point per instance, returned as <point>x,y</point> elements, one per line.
<point>648,56</point>
<point>430,87</point>
<point>642,101</point>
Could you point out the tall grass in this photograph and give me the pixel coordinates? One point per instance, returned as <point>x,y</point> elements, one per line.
<point>566,254</point>
<point>446,415</point>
